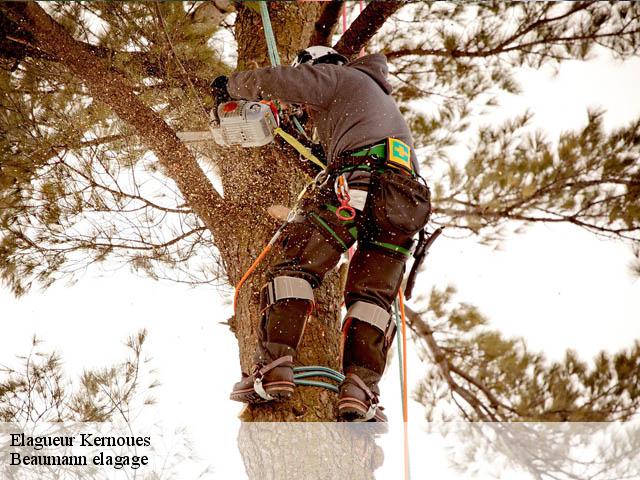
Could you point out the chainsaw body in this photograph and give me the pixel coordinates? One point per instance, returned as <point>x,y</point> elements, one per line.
<point>243,123</point>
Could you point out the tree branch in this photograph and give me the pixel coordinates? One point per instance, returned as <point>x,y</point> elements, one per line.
<point>366,25</point>
<point>18,44</point>
<point>326,24</point>
<point>420,326</point>
<point>499,50</point>
<point>112,89</point>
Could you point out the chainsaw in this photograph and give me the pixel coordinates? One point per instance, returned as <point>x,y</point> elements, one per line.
<point>238,123</point>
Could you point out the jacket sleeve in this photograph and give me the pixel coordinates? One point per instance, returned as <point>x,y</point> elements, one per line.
<point>308,84</point>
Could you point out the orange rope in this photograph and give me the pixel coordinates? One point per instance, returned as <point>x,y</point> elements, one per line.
<point>404,354</point>
<point>405,402</point>
<point>248,273</point>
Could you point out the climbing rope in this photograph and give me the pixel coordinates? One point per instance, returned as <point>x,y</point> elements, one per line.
<point>274,58</point>
<point>270,38</point>
<point>301,373</point>
<point>396,314</point>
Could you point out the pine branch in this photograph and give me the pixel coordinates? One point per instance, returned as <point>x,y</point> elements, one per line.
<point>113,90</point>
<point>366,25</point>
<point>18,44</point>
<point>424,331</point>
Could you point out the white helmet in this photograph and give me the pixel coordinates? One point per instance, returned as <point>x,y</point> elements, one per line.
<point>319,54</point>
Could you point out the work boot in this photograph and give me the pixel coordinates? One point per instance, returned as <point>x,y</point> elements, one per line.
<point>358,400</point>
<point>285,304</point>
<point>273,381</point>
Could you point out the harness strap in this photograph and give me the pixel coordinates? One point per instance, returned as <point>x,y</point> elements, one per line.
<point>260,370</point>
<point>300,148</point>
<point>380,150</point>
<point>371,314</point>
<point>373,407</point>
<point>288,287</point>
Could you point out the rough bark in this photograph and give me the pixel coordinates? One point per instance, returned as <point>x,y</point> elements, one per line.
<point>293,24</point>
<point>326,24</point>
<point>310,451</point>
<point>255,180</point>
<point>365,26</point>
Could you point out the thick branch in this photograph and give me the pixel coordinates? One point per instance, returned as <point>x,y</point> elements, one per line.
<point>112,89</point>
<point>18,44</point>
<point>365,26</point>
<point>326,24</point>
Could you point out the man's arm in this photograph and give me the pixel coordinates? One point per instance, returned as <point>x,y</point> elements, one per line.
<point>308,84</point>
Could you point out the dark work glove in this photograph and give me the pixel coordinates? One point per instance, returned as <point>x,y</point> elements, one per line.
<point>219,89</point>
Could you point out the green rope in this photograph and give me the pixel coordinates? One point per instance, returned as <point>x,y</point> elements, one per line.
<point>315,371</point>
<point>313,383</point>
<point>301,373</point>
<point>274,57</point>
<point>299,127</point>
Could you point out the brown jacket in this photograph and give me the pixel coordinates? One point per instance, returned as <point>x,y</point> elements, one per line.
<point>350,105</point>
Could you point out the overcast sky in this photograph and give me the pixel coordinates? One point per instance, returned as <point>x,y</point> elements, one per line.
<point>557,286</point>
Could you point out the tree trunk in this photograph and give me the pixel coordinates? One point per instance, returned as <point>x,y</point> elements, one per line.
<point>276,179</point>
<point>320,451</point>
<point>253,180</point>
<point>316,451</point>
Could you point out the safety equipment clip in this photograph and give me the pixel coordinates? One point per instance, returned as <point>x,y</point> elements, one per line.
<point>342,192</point>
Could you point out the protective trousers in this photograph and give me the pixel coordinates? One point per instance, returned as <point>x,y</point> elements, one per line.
<point>397,206</point>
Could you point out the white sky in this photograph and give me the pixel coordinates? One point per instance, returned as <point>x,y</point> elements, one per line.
<point>558,287</point>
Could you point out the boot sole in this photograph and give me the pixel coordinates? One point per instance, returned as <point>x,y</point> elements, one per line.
<point>280,391</point>
<point>353,410</point>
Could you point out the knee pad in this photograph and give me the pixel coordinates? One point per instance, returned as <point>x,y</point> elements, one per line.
<point>284,287</point>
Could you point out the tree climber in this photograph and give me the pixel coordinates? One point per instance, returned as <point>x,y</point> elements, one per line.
<point>372,192</point>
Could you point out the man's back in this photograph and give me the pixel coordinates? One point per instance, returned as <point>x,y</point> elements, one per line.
<point>350,105</point>
<point>362,111</point>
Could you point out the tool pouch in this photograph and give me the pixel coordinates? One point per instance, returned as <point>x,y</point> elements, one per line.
<point>399,206</point>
